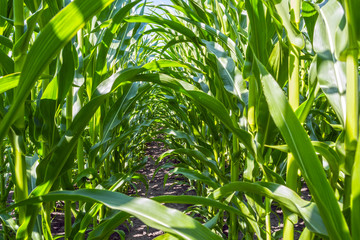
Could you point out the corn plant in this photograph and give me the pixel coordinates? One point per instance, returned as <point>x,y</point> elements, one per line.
<point>254,98</point>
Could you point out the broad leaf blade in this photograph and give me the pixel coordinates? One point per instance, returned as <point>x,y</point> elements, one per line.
<point>150,212</point>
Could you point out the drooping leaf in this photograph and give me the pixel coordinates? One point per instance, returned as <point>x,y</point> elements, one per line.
<point>150,212</point>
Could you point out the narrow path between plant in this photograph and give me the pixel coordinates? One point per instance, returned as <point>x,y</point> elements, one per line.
<point>139,230</point>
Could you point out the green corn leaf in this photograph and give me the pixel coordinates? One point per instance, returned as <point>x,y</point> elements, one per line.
<point>150,212</point>
<point>304,153</point>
